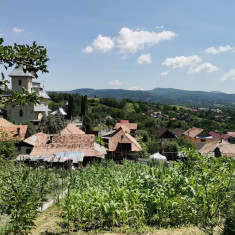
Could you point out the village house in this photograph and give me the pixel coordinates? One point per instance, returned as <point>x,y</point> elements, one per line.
<point>219,148</point>
<point>164,133</point>
<point>30,112</point>
<point>122,144</point>
<point>125,123</point>
<point>218,136</point>
<point>70,143</point>
<point>195,134</point>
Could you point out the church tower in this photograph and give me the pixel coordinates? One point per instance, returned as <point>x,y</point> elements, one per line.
<point>31,112</point>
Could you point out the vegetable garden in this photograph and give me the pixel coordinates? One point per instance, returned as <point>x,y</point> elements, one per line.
<point>198,192</point>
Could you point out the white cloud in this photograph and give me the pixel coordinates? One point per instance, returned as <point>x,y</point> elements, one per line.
<point>229,75</point>
<point>205,67</point>
<point>164,73</point>
<point>182,61</point>
<point>213,50</point>
<point>17,30</point>
<point>100,44</point>
<point>144,59</point>
<point>159,27</point>
<point>116,83</point>
<point>130,41</point>
<point>135,88</point>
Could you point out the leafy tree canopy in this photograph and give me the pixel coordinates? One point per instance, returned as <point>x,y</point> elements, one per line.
<point>32,58</point>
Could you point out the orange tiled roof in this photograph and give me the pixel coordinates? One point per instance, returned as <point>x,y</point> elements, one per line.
<point>5,123</point>
<point>71,129</point>
<point>65,143</point>
<point>131,126</point>
<point>8,130</point>
<point>193,132</point>
<point>122,136</point>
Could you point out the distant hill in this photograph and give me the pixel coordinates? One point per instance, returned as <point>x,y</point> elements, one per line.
<point>164,96</point>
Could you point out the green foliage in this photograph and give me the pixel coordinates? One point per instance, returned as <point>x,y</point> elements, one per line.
<point>22,192</point>
<point>71,107</point>
<point>213,183</point>
<point>51,124</point>
<point>84,106</point>
<point>182,142</point>
<point>195,193</point>
<point>31,128</point>
<point>153,147</point>
<point>98,140</point>
<point>32,58</point>
<point>110,122</point>
<point>8,149</point>
<point>170,146</point>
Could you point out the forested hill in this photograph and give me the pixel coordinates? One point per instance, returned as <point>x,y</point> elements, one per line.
<point>165,96</point>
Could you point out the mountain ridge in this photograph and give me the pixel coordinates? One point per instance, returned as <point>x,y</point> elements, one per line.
<point>163,95</point>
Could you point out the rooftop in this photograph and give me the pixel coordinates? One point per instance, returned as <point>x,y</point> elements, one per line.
<point>18,72</point>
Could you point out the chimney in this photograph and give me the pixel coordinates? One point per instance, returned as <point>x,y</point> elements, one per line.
<point>18,131</point>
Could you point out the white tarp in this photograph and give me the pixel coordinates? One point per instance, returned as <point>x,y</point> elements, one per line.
<point>158,156</point>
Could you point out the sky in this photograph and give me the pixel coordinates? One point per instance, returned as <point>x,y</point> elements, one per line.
<point>128,44</point>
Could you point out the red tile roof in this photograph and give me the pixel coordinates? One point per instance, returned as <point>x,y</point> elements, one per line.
<point>72,129</point>
<point>5,123</point>
<point>122,136</point>
<point>10,131</point>
<point>131,126</point>
<point>124,121</point>
<point>217,135</point>
<point>65,143</point>
<point>193,132</point>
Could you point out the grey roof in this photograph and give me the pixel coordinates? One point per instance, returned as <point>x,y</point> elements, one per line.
<point>60,110</point>
<point>31,140</point>
<point>99,148</point>
<point>41,108</point>
<point>58,157</point>
<point>18,72</point>
<point>43,94</point>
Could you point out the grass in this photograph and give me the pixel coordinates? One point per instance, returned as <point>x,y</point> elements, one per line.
<point>49,223</point>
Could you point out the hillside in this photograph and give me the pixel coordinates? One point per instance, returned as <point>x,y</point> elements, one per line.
<point>164,96</point>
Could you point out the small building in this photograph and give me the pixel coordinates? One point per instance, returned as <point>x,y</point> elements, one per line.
<point>125,123</point>
<point>50,145</point>
<point>164,133</point>
<point>122,144</point>
<point>219,148</point>
<point>195,134</point>
<point>60,111</point>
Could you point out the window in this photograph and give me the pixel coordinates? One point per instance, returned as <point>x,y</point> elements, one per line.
<point>20,82</point>
<point>28,151</point>
<point>21,113</point>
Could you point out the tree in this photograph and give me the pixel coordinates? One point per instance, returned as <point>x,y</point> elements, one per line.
<point>71,107</point>
<point>32,58</point>
<point>31,128</point>
<point>84,106</point>
<point>51,124</point>
<point>84,110</point>
<point>182,142</point>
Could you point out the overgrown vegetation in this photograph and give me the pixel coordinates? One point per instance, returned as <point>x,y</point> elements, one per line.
<point>198,192</point>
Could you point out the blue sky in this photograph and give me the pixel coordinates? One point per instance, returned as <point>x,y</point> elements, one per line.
<point>128,44</point>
